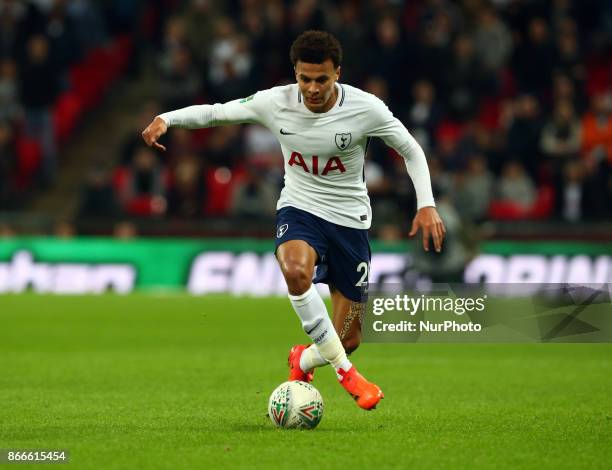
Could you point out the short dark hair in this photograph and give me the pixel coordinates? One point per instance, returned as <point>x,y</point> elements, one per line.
<point>315,47</point>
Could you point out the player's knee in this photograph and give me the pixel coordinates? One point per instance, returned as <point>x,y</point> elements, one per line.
<point>350,344</point>
<point>298,277</point>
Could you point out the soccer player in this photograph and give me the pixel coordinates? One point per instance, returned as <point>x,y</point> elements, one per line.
<point>323,214</point>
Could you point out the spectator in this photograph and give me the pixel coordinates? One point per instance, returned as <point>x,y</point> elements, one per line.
<point>568,57</point>
<point>179,83</point>
<point>143,192</point>
<point>379,155</point>
<point>515,186</point>
<point>596,151</point>
<point>449,264</point>
<point>572,193</point>
<point>523,136</point>
<point>254,196</point>
<point>181,142</point>
<point>88,23</point>
<point>351,33</point>
<point>378,86</point>
<point>304,15</point>
<point>448,152</point>
<point>175,38</point>
<point>8,167</point>
<point>133,139</point>
<point>473,189</point>
<point>492,41</point>
<point>597,132</point>
<point>434,49</point>
<point>441,181</point>
<point>224,147</point>
<point>463,79</point>
<point>199,23</point>
<point>262,148</point>
<point>565,89</point>
<point>39,87</point>
<point>98,199</point>
<point>561,135</point>
<point>381,191</point>
<point>424,113</point>
<point>231,63</point>
<point>477,139</point>
<point>10,109</point>
<point>261,44</point>
<point>534,59</point>
<point>186,197</point>
<point>18,21</point>
<point>61,32</point>
<point>387,56</point>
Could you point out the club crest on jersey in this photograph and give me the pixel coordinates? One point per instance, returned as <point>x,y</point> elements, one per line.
<point>281,230</point>
<point>343,140</point>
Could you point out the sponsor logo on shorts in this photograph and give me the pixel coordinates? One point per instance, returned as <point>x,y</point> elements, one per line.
<point>281,230</point>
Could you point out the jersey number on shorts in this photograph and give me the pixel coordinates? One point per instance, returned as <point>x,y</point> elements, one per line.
<point>363,268</point>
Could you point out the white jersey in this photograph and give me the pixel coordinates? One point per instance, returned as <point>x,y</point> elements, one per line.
<point>324,152</point>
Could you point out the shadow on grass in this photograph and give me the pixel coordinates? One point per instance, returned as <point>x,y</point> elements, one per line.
<point>268,427</point>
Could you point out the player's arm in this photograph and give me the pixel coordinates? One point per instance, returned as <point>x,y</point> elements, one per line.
<point>246,110</point>
<point>396,136</point>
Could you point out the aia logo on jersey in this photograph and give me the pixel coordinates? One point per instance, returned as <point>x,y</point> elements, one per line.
<point>343,140</point>
<point>333,164</point>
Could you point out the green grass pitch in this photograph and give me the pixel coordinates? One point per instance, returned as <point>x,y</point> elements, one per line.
<point>181,382</point>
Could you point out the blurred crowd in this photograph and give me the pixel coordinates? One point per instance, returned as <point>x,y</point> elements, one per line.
<point>45,46</point>
<point>510,99</point>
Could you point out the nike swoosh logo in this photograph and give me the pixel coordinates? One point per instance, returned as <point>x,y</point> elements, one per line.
<point>284,132</point>
<point>310,330</point>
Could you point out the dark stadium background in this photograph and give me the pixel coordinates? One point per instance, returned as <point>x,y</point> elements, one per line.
<point>510,99</point>
<point>512,103</point>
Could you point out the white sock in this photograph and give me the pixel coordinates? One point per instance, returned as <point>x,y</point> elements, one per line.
<point>316,323</point>
<point>333,352</point>
<point>311,358</point>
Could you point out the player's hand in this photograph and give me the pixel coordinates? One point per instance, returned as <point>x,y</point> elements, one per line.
<point>428,220</point>
<point>154,131</point>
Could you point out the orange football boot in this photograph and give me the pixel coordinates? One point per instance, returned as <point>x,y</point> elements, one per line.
<point>295,373</point>
<point>366,394</point>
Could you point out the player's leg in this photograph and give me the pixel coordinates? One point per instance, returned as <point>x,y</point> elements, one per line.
<point>301,241</point>
<point>349,262</point>
<point>347,319</point>
<point>297,261</point>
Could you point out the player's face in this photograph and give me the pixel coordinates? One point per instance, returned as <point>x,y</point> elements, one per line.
<point>317,83</point>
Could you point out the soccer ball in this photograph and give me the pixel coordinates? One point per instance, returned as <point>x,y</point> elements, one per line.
<point>295,405</point>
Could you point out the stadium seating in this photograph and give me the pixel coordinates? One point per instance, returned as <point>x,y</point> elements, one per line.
<point>29,157</point>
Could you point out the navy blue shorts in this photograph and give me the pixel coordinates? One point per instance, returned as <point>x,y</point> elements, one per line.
<point>343,253</point>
